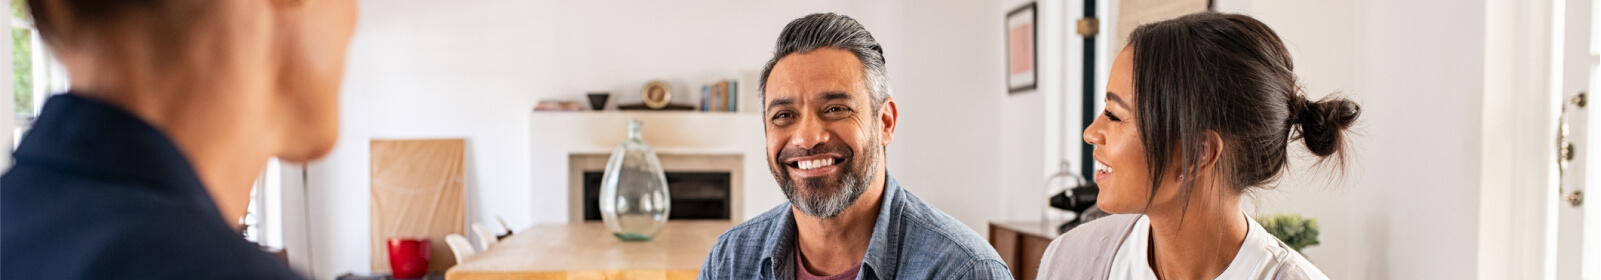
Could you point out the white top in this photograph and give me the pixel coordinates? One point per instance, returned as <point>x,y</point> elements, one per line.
<point>1259,258</point>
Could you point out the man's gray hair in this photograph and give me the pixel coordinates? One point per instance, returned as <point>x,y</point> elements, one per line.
<point>833,31</point>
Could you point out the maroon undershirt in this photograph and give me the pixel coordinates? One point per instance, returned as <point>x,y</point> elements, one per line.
<point>802,274</point>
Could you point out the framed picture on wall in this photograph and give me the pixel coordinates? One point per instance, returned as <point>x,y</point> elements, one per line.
<point>1021,51</point>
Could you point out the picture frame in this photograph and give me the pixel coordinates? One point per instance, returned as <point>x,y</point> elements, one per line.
<point>1022,52</point>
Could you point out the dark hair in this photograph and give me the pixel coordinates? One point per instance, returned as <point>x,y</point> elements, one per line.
<point>1227,74</point>
<point>832,30</point>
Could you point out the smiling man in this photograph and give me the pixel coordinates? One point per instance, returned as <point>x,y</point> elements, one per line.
<point>828,115</point>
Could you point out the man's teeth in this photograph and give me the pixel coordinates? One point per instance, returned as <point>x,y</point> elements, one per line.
<point>814,164</point>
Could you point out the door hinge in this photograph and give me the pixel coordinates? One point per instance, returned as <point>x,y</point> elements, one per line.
<point>1089,27</point>
<point>1566,151</point>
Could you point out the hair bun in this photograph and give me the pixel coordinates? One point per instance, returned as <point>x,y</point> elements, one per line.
<point>1323,123</point>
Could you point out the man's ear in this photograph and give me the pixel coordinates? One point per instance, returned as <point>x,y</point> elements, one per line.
<point>890,116</point>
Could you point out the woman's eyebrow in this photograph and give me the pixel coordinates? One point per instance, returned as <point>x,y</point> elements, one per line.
<point>1112,96</point>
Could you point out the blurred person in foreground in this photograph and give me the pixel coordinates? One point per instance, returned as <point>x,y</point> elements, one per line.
<point>144,167</point>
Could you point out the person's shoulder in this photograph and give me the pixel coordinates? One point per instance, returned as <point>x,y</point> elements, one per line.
<point>1087,250</point>
<point>199,253</point>
<point>1292,266</point>
<point>758,229</point>
<point>149,238</point>
<point>1102,235</point>
<point>1113,227</point>
<point>922,217</point>
<point>44,212</point>
<point>1298,271</point>
<point>737,253</point>
<point>944,245</point>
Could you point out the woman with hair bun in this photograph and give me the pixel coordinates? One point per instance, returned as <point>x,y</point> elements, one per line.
<point>1200,110</point>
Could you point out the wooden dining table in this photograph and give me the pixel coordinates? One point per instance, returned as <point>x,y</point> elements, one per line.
<point>589,251</point>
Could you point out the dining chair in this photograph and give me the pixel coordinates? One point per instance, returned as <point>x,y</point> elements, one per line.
<point>486,238</point>
<point>460,246</point>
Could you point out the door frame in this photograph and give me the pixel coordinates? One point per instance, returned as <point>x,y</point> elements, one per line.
<point>1517,225</point>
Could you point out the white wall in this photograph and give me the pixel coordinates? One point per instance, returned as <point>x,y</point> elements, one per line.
<point>432,69</point>
<point>1409,209</point>
<point>951,91</point>
<point>1321,37</point>
<point>1028,117</point>
<point>619,45</point>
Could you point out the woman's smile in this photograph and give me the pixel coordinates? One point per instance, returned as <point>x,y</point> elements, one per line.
<point>1103,171</point>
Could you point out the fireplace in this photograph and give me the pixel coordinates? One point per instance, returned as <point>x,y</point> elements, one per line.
<point>701,186</point>
<point>694,195</point>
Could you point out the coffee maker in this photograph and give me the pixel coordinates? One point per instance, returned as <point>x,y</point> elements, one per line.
<point>1079,198</point>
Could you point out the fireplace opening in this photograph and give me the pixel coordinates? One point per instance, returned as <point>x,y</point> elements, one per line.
<point>694,195</point>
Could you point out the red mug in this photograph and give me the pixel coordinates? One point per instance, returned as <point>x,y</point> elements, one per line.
<point>408,257</point>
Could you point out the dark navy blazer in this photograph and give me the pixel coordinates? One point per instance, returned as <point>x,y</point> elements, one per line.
<point>96,193</point>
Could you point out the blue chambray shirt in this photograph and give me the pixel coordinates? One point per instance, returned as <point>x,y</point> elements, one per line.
<point>911,240</point>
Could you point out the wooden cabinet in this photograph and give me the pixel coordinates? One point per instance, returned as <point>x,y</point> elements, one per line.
<point>1022,244</point>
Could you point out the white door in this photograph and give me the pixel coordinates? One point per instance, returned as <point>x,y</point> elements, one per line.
<point>1576,257</point>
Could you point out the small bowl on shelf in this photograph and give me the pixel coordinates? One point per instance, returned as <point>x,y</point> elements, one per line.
<point>597,100</point>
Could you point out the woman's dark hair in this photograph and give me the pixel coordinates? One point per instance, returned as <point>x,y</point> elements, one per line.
<point>1227,74</point>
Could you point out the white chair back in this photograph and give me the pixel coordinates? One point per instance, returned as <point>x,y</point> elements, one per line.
<point>485,237</point>
<point>460,246</point>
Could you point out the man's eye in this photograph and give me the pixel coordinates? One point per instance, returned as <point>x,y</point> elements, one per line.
<point>836,109</point>
<point>782,118</point>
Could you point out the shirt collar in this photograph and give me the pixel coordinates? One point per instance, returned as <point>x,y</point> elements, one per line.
<point>881,255</point>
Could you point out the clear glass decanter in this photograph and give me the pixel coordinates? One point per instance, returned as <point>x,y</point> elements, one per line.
<point>633,193</point>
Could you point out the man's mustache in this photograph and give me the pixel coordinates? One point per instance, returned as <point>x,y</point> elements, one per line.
<point>832,147</point>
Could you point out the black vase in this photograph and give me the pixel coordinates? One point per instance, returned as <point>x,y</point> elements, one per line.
<point>597,100</point>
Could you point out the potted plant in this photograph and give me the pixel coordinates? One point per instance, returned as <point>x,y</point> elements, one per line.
<point>1295,231</point>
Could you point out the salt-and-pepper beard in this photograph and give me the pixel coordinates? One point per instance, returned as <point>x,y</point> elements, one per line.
<point>817,200</point>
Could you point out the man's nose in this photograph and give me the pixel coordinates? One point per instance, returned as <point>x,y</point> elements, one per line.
<point>809,133</point>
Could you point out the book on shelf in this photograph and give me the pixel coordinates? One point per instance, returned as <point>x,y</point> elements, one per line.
<point>721,96</point>
<point>733,99</point>
<point>705,97</point>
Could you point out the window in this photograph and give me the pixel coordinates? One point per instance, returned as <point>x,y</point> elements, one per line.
<point>263,220</point>
<point>35,73</point>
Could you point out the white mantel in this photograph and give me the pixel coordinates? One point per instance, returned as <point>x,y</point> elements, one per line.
<point>555,136</point>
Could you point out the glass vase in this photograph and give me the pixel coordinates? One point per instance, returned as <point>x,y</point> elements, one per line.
<point>633,193</point>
